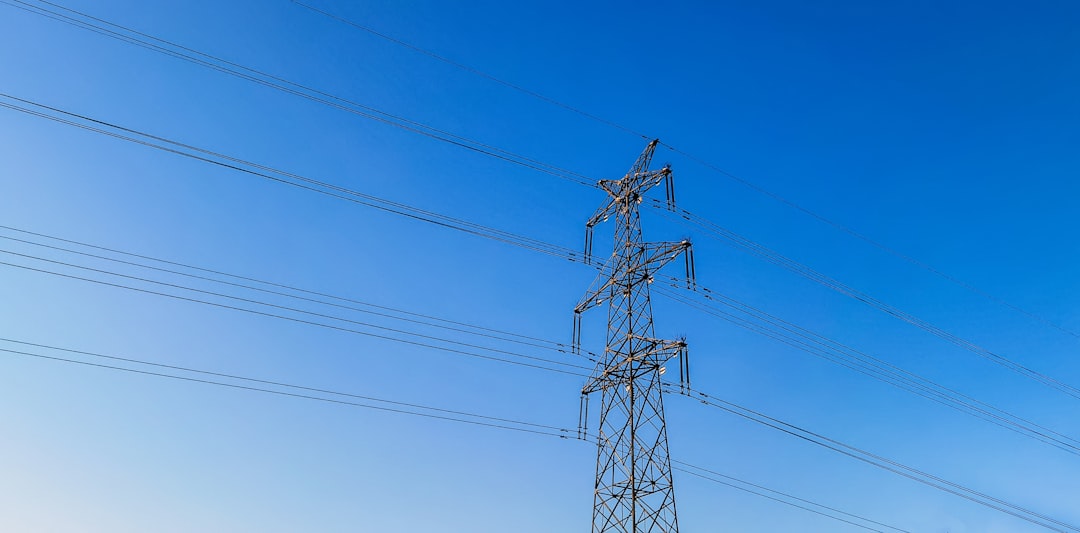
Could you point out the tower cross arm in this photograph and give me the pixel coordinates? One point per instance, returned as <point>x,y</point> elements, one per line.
<point>618,371</point>
<point>658,254</point>
<point>603,213</point>
<point>599,290</point>
<point>630,189</point>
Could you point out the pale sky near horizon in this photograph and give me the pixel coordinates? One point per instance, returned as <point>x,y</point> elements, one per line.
<point>945,131</point>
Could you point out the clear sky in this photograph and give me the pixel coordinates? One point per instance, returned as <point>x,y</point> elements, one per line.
<point>945,130</point>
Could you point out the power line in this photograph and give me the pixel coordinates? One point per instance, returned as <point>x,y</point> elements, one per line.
<point>283,177</point>
<point>742,181</point>
<point>722,234</point>
<point>456,351</point>
<point>399,407</point>
<point>775,328</point>
<point>287,308</point>
<point>833,351</point>
<point>881,246</point>
<point>320,298</point>
<point>477,72</point>
<point>584,180</point>
<point>416,409</point>
<point>780,497</point>
<point>566,253</point>
<point>393,207</point>
<point>961,491</point>
<point>329,326</point>
<point>719,298</point>
<point>168,48</point>
<point>1036,434</point>
<point>7,2</point>
<point>878,461</point>
<point>862,362</point>
<point>489,232</point>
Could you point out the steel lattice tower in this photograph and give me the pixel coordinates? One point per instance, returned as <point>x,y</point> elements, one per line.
<point>633,490</point>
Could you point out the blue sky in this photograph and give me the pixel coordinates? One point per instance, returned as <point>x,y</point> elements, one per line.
<point>944,130</point>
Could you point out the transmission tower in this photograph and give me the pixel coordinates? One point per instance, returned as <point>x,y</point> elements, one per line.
<point>633,490</point>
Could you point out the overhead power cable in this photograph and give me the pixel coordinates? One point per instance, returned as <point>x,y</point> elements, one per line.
<point>775,328</point>
<point>914,474</point>
<point>291,309</point>
<point>781,497</point>
<point>742,181</point>
<point>289,291</point>
<point>210,61</point>
<point>307,393</point>
<point>102,27</point>
<point>759,322</point>
<point>725,235</point>
<point>391,406</point>
<point>673,388</point>
<point>884,247</point>
<point>440,219</point>
<point>9,106</point>
<point>522,426</point>
<point>280,176</point>
<point>177,150</point>
<point>762,323</point>
<point>861,455</point>
<point>344,329</point>
<point>471,70</point>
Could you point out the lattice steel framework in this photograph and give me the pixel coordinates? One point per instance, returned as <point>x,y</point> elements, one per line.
<point>633,490</point>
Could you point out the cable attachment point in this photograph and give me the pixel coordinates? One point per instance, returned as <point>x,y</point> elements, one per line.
<point>575,345</point>
<point>683,354</point>
<point>669,188</point>
<point>583,417</point>
<point>588,243</point>
<point>691,275</point>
